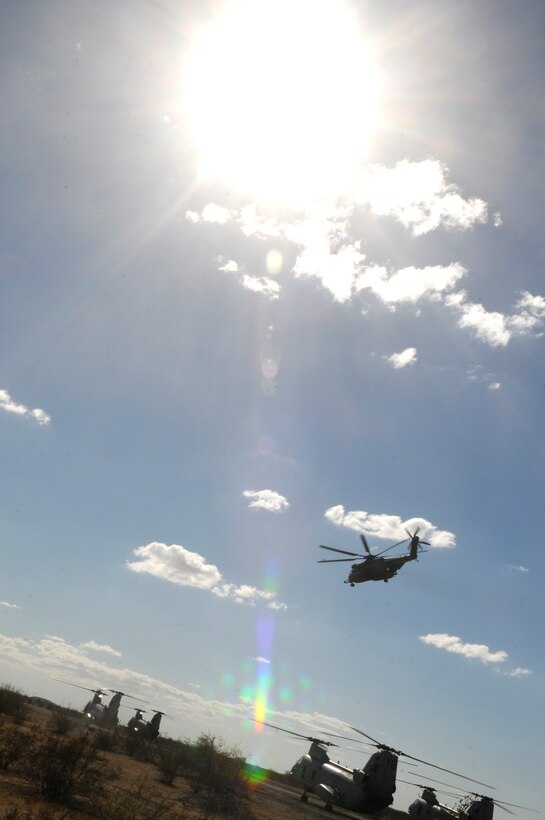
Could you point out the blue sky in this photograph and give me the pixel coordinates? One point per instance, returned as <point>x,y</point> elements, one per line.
<point>273,276</point>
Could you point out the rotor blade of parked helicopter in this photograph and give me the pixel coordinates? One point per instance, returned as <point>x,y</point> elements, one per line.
<point>442,769</point>
<point>297,734</point>
<point>333,560</point>
<point>419,760</point>
<point>124,694</point>
<point>351,739</point>
<point>344,552</point>
<point>499,806</point>
<point>461,792</point>
<point>87,688</point>
<point>502,804</point>
<point>425,786</point>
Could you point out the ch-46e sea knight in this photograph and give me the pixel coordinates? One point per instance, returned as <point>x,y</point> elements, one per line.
<point>366,790</point>
<point>373,567</point>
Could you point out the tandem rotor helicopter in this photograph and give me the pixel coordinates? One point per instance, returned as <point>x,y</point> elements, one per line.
<point>149,729</point>
<point>101,714</point>
<point>374,567</point>
<point>471,806</point>
<point>366,790</point>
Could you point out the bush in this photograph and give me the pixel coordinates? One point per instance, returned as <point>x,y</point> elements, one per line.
<point>171,755</point>
<point>13,703</point>
<point>141,804</point>
<point>218,778</point>
<point>64,767</point>
<point>60,723</point>
<point>13,742</point>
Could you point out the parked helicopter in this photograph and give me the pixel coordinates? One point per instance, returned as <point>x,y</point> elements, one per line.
<point>104,715</point>
<point>365,790</point>
<point>148,729</point>
<point>374,567</point>
<point>471,806</point>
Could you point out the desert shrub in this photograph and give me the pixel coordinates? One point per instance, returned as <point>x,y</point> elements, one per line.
<point>106,740</point>
<point>13,703</point>
<point>140,804</point>
<point>138,747</point>
<point>62,768</point>
<point>60,722</point>
<point>13,743</point>
<point>218,778</point>
<point>171,756</point>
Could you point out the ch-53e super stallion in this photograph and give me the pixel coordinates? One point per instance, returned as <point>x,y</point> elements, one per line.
<point>374,567</point>
<point>366,790</point>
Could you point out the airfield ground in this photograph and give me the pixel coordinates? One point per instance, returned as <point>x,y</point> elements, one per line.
<point>132,790</point>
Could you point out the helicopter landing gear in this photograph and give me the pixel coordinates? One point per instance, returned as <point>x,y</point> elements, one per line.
<point>386,580</point>
<point>352,585</point>
<point>304,797</point>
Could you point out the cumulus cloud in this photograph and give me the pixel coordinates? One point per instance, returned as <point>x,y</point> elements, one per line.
<point>409,284</point>
<point>392,527</point>
<point>419,195</point>
<point>100,647</point>
<point>474,651</point>
<point>210,213</point>
<point>189,569</point>
<point>8,605</point>
<point>228,265</point>
<point>268,500</point>
<point>262,284</point>
<point>403,359</point>
<point>495,328</point>
<point>10,406</point>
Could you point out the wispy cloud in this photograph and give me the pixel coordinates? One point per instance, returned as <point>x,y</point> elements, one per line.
<point>517,568</point>
<point>409,284</point>
<point>479,374</point>
<point>473,651</point>
<point>264,285</point>
<point>100,647</point>
<point>268,500</point>
<point>392,527</point>
<point>10,406</point>
<point>189,569</point>
<point>260,660</point>
<point>519,672</point>
<point>403,359</point>
<point>9,606</point>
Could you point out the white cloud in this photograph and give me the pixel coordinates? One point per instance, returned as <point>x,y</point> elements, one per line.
<point>100,647</point>
<point>261,284</point>
<point>268,500</point>
<point>473,651</point>
<point>210,213</point>
<point>495,328</point>
<point>9,606</point>
<point>478,373</point>
<point>228,266</point>
<point>519,672</point>
<point>189,569</point>
<point>260,660</point>
<point>517,568</point>
<point>409,284</point>
<point>403,359</point>
<point>392,527</point>
<point>419,196</point>
<point>7,404</point>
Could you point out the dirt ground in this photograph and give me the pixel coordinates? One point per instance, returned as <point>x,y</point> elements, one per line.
<point>132,790</point>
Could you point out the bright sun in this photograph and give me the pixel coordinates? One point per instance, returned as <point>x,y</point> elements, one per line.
<point>280,98</point>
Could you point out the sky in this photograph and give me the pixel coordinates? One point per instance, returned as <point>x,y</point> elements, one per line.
<point>272,277</point>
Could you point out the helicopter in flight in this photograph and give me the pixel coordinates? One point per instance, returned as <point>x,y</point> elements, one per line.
<point>149,729</point>
<point>374,567</point>
<point>366,790</point>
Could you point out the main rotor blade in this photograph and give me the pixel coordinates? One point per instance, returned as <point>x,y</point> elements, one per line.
<point>87,688</point>
<point>344,552</point>
<point>296,734</point>
<point>419,760</point>
<point>502,804</point>
<point>389,548</point>
<point>333,560</point>
<point>124,695</point>
<point>365,544</point>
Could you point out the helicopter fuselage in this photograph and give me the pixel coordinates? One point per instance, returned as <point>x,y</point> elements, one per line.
<point>377,569</point>
<point>362,790</point>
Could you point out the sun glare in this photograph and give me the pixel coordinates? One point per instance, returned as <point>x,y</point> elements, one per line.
<point>280,97</point>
